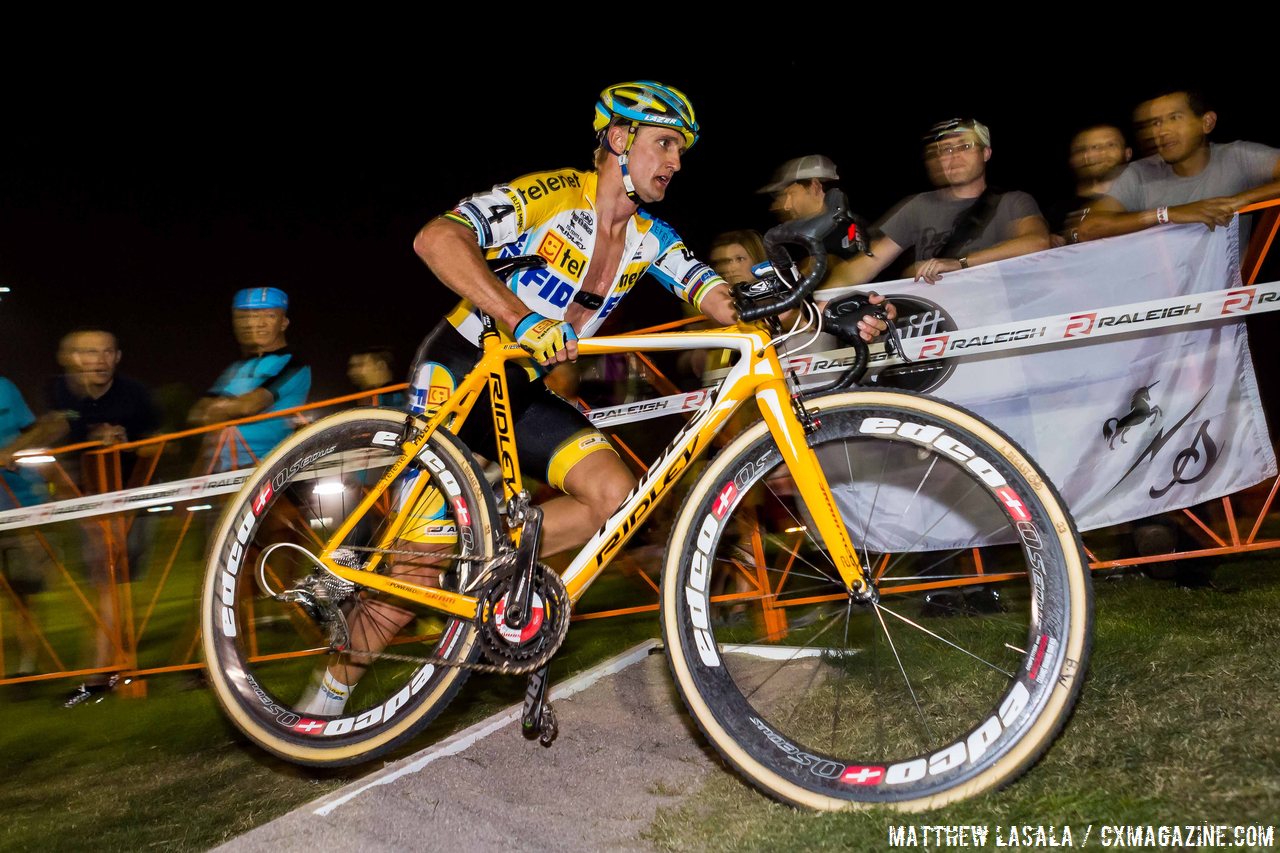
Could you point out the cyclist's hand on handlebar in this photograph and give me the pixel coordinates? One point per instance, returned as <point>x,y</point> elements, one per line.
<point>869,327</point>
<point>550,342</point>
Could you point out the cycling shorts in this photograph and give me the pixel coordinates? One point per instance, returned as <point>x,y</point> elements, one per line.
<point>551,433</point>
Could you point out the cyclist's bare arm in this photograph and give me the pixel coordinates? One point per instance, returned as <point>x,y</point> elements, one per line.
<point>450,250</point>
<point>718,305</point>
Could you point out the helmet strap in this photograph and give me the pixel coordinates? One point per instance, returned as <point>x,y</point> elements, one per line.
<point>627,183</point>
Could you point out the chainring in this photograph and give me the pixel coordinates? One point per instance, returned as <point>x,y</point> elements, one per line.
<point>520,651</point>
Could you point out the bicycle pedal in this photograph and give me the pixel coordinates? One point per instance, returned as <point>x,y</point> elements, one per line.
<point>550,728</point>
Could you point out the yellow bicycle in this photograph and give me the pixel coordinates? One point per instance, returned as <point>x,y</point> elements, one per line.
<point>889,662</point>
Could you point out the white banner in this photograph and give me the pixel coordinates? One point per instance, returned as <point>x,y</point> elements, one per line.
<point>1127,427</point>
<point>90,506</point>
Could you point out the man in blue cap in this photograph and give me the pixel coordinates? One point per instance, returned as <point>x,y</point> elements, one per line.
<point>267,378</point>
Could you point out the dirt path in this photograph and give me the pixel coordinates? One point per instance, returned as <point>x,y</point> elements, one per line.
<point>625,749</point>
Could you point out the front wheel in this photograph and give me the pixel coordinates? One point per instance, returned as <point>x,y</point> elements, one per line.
<point>952,681</point>
<point>272,621</point>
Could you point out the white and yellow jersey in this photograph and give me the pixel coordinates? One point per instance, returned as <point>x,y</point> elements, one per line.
<point>552,214</point>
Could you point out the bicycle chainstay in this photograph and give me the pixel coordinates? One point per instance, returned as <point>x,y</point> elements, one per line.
<point>497,571</point>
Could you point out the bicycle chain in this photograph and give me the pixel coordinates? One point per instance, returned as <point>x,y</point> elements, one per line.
<point>494,573</point>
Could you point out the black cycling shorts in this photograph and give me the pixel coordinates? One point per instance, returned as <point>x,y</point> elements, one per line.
<point>551,433</point>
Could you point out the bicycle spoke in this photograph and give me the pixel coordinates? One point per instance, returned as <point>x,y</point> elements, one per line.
<point>915,700</point>
<point>944,640</point>
<point>838,697</point>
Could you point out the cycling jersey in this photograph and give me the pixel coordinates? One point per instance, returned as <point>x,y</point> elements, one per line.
<point>552,214</point>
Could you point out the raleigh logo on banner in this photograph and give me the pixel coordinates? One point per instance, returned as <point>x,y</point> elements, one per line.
<point>1125,425</point>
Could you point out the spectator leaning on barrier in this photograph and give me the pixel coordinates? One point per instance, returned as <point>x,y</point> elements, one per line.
<point>964,223</point>
<point>732,254</point>
<point>1098,156</point>
<point>21,560</point>
<point>267,378</point>
<point>372,367</point>
<point>1189,179</point>
<point>90,401</point>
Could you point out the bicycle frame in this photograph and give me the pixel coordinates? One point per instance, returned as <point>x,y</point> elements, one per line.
<point>757,373</point>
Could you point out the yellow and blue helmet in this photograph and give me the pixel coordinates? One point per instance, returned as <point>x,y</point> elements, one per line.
<point>647,102</point>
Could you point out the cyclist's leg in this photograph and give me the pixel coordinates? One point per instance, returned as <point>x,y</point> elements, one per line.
<point>595,481</point>
<point>422,551</point>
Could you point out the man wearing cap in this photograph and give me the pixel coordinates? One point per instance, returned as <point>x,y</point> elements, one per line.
<point>267,378</point>
<point>799,188</point>
<point>964,223</point>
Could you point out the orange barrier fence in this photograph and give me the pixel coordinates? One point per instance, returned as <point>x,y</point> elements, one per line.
<point>142,615</point>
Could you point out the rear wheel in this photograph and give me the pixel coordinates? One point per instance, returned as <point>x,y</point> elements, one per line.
<point>265,653</point>
<point>960,674</point>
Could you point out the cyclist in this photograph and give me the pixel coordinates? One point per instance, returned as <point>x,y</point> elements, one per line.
<point>598,241</point>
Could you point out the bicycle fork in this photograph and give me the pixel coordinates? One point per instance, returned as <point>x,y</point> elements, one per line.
<point>780,414</point>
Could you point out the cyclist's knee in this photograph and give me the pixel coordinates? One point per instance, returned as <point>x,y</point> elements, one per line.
<point>600,482</point>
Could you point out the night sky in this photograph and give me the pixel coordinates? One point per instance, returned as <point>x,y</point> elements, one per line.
<point>144,194</point>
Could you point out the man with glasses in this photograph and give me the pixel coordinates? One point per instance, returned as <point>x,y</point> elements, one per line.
<point>964,223</point>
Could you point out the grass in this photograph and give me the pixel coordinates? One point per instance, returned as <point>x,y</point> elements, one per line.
<point>169,772</point>
<point>1178,724</point>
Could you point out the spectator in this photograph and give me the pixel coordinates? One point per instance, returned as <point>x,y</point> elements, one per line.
<point>1191,179</point>
<point>267,378</point>
<point>732,254</point>
<point>21,562</point>
<point>91,402</point>
<point>799,188</point>
<point>1098,156</point>
<point>962,224</point>
<point>373,367</point>
<point>1144,133</point>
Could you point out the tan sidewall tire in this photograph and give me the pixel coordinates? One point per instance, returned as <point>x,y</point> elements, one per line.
<point>1055,711</point>
<point>425,707</point>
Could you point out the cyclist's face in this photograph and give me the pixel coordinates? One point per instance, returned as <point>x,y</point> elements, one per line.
<point>732,263</point>
<point>259,330</point>
<point>654,160</point>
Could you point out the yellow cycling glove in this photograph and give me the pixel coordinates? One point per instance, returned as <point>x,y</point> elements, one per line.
<point>543,337</point>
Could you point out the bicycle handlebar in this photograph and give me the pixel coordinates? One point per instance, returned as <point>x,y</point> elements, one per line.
<point>808,234</point>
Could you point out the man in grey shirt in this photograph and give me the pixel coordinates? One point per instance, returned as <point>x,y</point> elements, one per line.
<point>962,224</point>
<point>1188,179</point>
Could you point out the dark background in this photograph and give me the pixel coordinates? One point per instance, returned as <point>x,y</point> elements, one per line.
<point>142,192</point>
